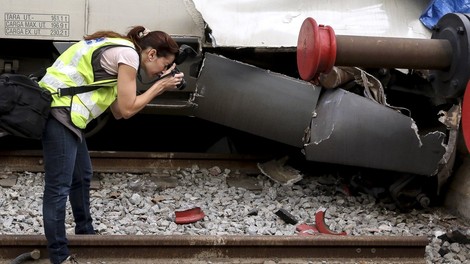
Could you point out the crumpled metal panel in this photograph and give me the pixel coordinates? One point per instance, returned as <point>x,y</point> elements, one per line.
<point>254,100</point>
<point>268,23</point>
<point>352,130</point>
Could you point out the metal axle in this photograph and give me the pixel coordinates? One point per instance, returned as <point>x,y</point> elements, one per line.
<point>447,53</point>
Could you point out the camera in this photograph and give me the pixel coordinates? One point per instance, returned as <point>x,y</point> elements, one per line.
<point>182,84</point>
<point>182,55</point>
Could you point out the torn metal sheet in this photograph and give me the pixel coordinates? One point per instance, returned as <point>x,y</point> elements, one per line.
<point>352,130</point>
<point>254,100</point>
<point>279,172</point>
<point>451,119</point>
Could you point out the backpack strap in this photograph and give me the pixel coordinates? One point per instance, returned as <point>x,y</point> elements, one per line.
<point>82,89</point>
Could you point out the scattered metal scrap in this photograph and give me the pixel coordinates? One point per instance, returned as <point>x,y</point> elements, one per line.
<point>28,256</point>
<point>279,172</point>
<point>455,236</point>
<point>286,216</point>
<point>319,228</point>
<point>189,216</point>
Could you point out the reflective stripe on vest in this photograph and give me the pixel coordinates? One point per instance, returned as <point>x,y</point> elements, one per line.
<point>73,68</point>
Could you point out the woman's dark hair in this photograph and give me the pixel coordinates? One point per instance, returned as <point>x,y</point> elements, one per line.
<point>103,34</point>
<point>158,40</point>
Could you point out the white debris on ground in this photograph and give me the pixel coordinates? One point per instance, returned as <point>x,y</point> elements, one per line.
<point>140,205</point>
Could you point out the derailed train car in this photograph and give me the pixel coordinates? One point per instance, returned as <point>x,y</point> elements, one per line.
<point>255,66</point>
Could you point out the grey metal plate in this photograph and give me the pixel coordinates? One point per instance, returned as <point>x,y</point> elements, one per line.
<point>353,130</point>
<point>254,100</point>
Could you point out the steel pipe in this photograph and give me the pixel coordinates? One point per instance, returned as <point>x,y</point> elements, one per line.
<point>381,52</point>
<point>318,49</point>
<point>447,54</point>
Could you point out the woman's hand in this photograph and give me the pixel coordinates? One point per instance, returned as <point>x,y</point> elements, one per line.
<point>172,79</point>
<point>128,103</point>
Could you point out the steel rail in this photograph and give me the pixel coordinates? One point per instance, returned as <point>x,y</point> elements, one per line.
<point>133,162</point>
<point>129,248</point>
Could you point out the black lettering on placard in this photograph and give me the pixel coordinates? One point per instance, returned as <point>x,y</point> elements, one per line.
<point>32,24</point>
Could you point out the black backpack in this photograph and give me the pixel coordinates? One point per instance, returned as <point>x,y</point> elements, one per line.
<point>24,106</point>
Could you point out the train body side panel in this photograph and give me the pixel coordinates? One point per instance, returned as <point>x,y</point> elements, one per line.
<point>71,20</point>
<point>176,17</point>
<point>267,23</point>
<point>229,23</point>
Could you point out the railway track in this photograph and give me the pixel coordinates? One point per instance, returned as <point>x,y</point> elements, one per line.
<point>225,249</point>
<point>133,162</point>
<point>201,249</point>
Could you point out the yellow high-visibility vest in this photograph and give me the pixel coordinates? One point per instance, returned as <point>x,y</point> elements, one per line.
<point>80,65</point>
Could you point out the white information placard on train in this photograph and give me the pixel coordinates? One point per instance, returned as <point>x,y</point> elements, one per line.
<point>40,19</point>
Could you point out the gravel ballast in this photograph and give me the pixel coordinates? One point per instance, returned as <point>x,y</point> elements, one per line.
<point>138,204</point>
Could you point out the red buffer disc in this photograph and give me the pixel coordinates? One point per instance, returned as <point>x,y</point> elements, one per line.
<point>466,116</point>
<point>316,49</point>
